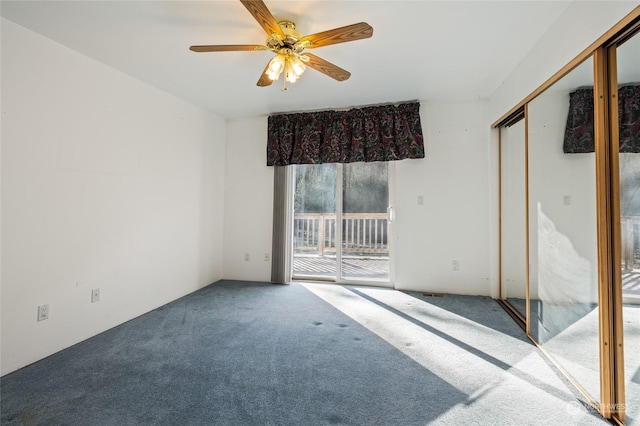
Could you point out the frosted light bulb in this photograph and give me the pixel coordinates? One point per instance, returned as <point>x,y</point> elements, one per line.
<point>276,65</point>
<point>298,66</point>
<point>291,77</point>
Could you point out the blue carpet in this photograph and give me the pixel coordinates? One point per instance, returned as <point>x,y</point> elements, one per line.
<point>239,353</point>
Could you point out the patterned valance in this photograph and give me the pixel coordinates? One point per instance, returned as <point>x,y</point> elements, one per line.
<point>380,133</point>
<point>579,133</point>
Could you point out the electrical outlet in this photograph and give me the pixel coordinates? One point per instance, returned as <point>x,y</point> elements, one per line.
<point>455,265</point>
<point>43,312</point>
<point>246,257</point>
<point>267,257</point>
<point>95,295</point>
<point>420,200</point>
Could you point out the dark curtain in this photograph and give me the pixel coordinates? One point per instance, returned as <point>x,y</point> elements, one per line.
<point>381,133</point>
<point>579,132</point>
<point>629,113</point>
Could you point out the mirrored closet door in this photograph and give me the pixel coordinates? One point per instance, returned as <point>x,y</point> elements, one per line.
<point>570,219</point>
<point>563,239</point>
<point>513,186</point>
<point>627,66</point>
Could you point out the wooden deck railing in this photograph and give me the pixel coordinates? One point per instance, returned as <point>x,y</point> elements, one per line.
<point>362,233</point>
<point>368,232</point>
<point>630,235</point>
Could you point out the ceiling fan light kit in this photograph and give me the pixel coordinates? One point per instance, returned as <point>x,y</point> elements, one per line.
<point>288,44</point>
<point>289,63</point>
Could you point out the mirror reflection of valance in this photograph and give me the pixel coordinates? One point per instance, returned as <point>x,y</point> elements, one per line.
<point>379,133</point>
<point>579,133</point>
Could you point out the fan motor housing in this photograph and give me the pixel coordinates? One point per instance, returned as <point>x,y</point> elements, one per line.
<point>291,34</point>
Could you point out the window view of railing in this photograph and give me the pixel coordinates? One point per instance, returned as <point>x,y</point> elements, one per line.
<point>630,234</point>
<point>630,223</point>
<point>363,233</point>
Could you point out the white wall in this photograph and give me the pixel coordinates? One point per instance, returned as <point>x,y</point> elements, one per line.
<point>581,25</point>
<point>248,205</point>
<point>106,183</point>
<point>455,221</point>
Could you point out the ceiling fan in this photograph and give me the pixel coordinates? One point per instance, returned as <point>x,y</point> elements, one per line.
<point>289,45</point>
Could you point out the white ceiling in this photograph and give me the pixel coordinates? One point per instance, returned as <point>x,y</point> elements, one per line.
<point>420,50</point>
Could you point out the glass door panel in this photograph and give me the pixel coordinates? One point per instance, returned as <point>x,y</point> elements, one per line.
<point>628,60</point>
<point>365,199</point>
<point>513,217</point>
<point>314,218</point>
<point>563,257</point>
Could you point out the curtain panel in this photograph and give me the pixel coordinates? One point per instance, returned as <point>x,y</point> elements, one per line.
<point>380,133</point>
<point>579,132</point>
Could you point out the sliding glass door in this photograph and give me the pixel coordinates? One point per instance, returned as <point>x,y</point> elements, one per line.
<point>340,222</point>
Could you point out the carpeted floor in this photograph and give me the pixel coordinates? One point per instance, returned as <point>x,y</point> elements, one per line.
<point>239,353</point>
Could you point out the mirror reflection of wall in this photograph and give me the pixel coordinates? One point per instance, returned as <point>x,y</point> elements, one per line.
<point>513,216</point>
<point>563,234</point>
<point>628,60</point>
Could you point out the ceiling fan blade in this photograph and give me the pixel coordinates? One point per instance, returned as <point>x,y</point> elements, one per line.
<point>326,68</point>
<point>339,35</point>
<point>261,14</point>
<point>264,81</point>
<point>227,48</point>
